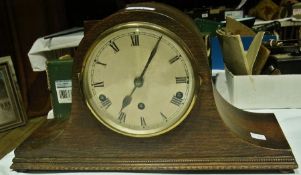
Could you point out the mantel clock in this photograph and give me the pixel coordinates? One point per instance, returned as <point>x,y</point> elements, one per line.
<point>143,100</point>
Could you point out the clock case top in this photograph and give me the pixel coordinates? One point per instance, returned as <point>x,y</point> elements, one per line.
<point>215,135</point>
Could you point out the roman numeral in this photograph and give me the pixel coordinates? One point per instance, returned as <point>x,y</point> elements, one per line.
<point>176,101</point>
<point>101,63</point>
<point>163,116</point>
<point>106,103</point>
<point>135,39</point>
<point>98,84</point>
<point>142,122</point>
<point>182,80</point>
<point>174,59</point>
<point>122,117</point>
<point>114,46</point>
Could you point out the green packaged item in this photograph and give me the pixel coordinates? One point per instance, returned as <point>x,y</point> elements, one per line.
<point>207,27</point>
<point>59,72</point>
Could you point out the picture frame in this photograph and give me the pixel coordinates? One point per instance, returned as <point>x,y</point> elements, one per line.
<point>12,112</point>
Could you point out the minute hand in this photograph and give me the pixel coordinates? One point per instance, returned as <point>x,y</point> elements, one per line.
<point>151,56</point>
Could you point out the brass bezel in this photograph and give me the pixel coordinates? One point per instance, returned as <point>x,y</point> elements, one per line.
<point>176,39</point>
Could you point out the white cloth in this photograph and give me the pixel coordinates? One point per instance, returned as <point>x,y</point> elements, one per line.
<point>38,52</point>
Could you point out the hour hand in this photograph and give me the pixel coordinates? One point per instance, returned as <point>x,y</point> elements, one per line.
<point>126,101</point>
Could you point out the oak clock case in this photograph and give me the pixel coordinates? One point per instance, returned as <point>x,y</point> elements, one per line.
<point>138,79</point>
<point>203,132</point>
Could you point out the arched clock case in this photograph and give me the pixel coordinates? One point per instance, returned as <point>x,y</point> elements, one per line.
<point>187,126</point>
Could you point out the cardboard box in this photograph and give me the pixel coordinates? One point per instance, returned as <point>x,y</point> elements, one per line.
<point>260,91</point>
<point>244,87</point>
<point>216,55</point>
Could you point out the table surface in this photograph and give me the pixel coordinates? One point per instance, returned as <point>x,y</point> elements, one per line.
<point>289,120</point>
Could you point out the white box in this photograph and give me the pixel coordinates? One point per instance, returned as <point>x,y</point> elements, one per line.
<point>260,91</point>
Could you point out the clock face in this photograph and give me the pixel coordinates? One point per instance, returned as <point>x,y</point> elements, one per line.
<point>138,80</point>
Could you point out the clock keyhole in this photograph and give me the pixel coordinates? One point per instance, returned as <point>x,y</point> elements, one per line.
<point>141,106</point>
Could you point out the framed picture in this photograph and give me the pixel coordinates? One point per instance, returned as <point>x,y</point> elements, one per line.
<point>12,113</point>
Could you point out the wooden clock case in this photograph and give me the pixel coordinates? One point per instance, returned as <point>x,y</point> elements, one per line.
<point>215,135</point>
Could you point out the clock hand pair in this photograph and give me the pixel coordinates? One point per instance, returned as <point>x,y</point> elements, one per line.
<point>138,82</point>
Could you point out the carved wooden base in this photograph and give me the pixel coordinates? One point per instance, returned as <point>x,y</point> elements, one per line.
<point>202,142</point>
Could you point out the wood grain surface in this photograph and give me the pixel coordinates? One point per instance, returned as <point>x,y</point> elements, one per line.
<point>10,139</point>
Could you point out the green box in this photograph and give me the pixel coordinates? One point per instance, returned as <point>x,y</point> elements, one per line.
<point>59,74</point>
<point>207,27</point>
